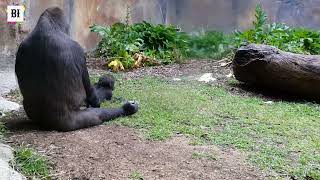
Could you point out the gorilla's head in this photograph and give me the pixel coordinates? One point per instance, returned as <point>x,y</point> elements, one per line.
<point>56,18</point>
<point>106,83</point>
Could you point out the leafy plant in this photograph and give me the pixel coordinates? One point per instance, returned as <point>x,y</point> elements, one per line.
<point>297,40</point>
<point>124,45</point>
<point>261,17</point>
<point>120,42</point>
<point>164,41</point>
<point>210,44</point>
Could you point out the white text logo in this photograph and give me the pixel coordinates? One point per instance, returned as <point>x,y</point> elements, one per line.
<point>15,14</point>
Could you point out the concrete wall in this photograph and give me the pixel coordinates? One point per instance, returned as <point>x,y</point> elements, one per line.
<point>81,14</point>
<point>8,32</point>
<point>191,15</point>
<point>228,15</point>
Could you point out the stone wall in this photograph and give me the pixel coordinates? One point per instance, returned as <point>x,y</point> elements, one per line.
<point>191,15</point>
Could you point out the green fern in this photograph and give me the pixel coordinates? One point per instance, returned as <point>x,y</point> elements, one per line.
<point>261,18</point>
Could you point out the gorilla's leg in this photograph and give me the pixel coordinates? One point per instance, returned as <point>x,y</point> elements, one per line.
<point>95,116</point>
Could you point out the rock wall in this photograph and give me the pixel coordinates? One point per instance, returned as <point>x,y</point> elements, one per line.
<point>191,15</point>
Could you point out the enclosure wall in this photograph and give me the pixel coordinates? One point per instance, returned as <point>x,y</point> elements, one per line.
<point>190,15</point>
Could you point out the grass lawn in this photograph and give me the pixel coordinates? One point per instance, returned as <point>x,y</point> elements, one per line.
<point>27,160</point>
<point>282,137</point>
<point>30,163</point>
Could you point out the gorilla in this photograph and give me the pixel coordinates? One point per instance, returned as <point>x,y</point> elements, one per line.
<point>54,81</point>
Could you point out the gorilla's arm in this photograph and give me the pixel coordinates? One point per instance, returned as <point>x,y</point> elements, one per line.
<point>95,116</point>
<point>92,97</point>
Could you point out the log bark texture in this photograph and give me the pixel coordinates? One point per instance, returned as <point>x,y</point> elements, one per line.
<point>269,67</point>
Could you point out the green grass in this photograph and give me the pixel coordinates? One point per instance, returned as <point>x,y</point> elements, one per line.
<point>136,175</point>
<point>209,44</point>
<point>31,164</point>
<point>282,137</point>
<point>198,155</point>
<point>3,130</point>
<point>27,161</point>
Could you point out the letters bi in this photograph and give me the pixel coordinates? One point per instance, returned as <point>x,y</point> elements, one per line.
<point>15,13</point>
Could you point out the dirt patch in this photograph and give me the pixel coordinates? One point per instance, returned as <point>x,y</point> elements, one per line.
<point>191,70</point>
<point>190,67</point>
<point>116,152</point>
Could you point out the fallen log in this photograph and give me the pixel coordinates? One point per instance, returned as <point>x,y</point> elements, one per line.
<point>268,67</point>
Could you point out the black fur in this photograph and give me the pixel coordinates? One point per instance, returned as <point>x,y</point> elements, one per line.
<point>102,91</point>
<point>104,87</point>
<point>54,81</point>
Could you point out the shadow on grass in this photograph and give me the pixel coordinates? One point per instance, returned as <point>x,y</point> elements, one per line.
<point>271,93</point>
<point>17,122</point>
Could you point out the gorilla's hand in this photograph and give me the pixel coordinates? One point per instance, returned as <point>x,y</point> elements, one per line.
<point>130,108</point>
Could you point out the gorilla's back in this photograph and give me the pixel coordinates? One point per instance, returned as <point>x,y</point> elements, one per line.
<point>48,75</point>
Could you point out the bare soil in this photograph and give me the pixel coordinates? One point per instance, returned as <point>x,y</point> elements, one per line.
<point>117,152</point>
<point>189,68</point>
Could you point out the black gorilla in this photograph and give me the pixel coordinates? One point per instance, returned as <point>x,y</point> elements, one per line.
<point>104,88</point>
<point>54,80</point>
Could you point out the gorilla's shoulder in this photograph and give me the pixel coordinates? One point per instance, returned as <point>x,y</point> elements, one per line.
<point>63,42</point>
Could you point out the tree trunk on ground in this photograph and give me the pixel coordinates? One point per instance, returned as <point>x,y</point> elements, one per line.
<point>269,67</point>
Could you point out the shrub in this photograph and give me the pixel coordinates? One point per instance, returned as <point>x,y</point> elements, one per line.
<point>297,40</point>
<point>210,44</point>
<point>121,42</point>
<point>129,46</point>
